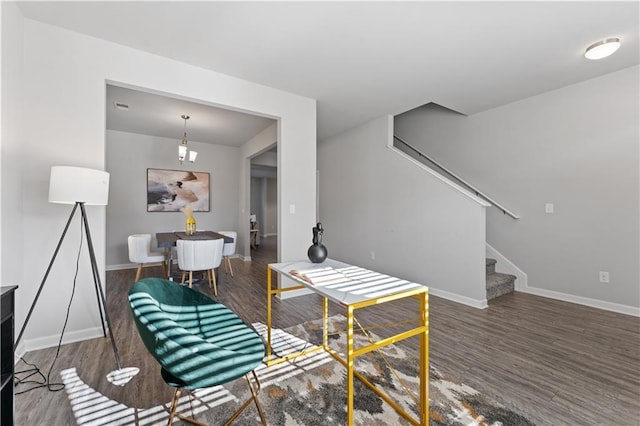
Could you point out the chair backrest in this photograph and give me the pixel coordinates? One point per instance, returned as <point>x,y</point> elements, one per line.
<point>199,255</point>
<point>229,248</point>
<point>139,247</point>
<point>195,339</point>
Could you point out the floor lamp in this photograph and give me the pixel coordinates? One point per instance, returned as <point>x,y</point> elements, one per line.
<point>79,186</point>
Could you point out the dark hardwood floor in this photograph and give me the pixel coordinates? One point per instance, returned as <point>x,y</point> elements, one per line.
<point>557,363</point>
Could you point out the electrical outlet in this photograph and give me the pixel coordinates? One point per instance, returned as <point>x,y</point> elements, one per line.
<point>604,277</point>
<point>548,208</point>
<point>373,255</point>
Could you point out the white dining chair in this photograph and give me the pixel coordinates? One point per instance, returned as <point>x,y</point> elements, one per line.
<point>141,254</point>
<point>229,249</point>
<point>200,255</point>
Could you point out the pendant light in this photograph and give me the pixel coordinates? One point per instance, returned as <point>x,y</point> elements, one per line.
<point>183,148</point>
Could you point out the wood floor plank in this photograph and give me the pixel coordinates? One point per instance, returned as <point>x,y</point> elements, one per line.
<point>555,362</point>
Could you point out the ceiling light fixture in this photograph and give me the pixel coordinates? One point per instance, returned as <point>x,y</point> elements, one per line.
<point>602,49</point>
<point>183,148</point>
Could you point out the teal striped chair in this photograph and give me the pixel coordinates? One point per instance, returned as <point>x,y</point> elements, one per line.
<point>198,342</point>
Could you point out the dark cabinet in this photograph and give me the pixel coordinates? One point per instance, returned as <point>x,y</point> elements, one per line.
<point>6,354</point>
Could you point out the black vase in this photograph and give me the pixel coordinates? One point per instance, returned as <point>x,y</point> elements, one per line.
<point>317,252</point>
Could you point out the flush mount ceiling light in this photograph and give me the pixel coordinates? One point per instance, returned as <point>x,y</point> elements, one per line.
<point>602,49</point>
<point>183,148</point>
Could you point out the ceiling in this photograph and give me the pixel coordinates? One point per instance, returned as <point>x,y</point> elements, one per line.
<point>362,60</point>
<point>156,115</point>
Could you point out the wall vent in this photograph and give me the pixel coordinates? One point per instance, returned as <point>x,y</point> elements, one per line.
<point>119,105</point>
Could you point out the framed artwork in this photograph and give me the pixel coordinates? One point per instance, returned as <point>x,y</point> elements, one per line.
<point>171,190</point>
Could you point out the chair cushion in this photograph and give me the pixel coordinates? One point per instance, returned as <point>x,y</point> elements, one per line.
<point>197,341</point>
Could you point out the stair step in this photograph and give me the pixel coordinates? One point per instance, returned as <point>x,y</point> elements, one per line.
<point>491,266</point>
<point>499,284</point>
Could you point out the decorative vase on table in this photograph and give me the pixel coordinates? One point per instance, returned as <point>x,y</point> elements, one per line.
<point>317,252</point>
<point>190,225</point>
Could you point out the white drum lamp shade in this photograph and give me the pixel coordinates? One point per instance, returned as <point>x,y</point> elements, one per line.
<point>69,185</point>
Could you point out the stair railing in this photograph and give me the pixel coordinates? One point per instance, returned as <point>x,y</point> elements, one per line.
<point>457,178</point>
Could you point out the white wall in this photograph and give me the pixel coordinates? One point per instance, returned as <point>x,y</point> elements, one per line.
<point>10,141</point>
<point>271,208</point>
<point>375,203</point>
<point>64,94</point>
<point>576,147</point>
<point>127,210</point>
<point>266,159</point>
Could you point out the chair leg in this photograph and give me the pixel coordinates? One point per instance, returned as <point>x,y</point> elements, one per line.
<point>228,259</point>
<point>190,279</point>
<point>174,411</point>
<point>174,406</point>
<point>165,274</point>
<point>254,394</point>
<point>254,398</point>
<point>138,273</point>
<point>215,286</point>
<point>183,275</point>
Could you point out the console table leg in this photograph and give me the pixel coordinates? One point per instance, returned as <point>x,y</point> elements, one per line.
<point>325,323</point>
<point>349,365</point>
<point>424,360</point>
<point>268,314</point>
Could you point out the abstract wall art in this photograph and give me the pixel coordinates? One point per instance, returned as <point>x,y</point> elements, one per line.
<point>171,190</point>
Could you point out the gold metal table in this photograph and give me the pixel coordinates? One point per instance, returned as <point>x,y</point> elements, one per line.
<point>354,288</point>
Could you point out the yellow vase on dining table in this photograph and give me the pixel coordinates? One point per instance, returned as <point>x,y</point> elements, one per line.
<point>190,225</point>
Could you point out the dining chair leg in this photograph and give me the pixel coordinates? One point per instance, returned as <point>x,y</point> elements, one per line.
<point>165,274</point>
<point>228,259</point>
<point>190,279</point>
<point>215,286</point>
<point>138,273</point>
<point>184,274</point>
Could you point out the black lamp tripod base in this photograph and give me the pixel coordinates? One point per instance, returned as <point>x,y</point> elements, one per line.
<point>102,303</point>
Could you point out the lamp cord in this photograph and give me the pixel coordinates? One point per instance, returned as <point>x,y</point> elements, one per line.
<point>46,381</point>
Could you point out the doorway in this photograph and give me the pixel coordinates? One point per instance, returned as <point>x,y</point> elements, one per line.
<point>264,203</point>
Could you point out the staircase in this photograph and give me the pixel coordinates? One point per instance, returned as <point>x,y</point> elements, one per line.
<point>498,284</point>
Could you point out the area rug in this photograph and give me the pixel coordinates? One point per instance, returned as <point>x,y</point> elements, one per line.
<point>318,395</point>
<point>311,390</point>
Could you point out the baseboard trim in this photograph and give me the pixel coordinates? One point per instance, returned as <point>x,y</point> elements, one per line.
<point>505,266</point>
<point>474,303</point>
<point>29,345</point>
<point>120,267</point>
<point>586,301</point>
<point>132,266</point>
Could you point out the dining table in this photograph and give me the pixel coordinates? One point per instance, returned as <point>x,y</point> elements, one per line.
<point>167,240</point>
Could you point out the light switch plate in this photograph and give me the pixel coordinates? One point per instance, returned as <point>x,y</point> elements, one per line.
<point>548,208</point>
